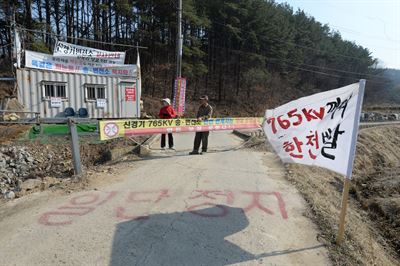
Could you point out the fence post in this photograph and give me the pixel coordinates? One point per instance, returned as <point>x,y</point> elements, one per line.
<point>76,156</point>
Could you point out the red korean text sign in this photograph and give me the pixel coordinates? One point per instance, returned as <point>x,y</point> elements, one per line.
<point>179,95</point>
<point>130,94</point>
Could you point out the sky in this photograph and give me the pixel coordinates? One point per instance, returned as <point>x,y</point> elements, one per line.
<point>373,24</point>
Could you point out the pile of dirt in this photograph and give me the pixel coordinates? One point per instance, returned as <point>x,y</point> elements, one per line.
<point>373,218</point>
<point>9,133</point>
<point>26,167</point>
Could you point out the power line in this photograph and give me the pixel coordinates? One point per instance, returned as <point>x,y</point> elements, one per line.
<point>309,70</point>
<point>298,45</point>
<point>82,39</point>
<point>302,64</point>
<point>243,52</point>
<point>336,76</point>
<point>333,69</point>
<point>363,34</point>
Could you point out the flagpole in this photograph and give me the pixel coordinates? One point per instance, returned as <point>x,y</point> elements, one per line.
<point>347,180</point>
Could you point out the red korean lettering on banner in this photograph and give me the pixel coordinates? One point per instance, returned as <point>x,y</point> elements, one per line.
<point>295,118</point>
<point>294,149</point>
<point>312,141</point>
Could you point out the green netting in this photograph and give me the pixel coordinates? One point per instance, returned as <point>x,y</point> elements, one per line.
<point>54,130</point>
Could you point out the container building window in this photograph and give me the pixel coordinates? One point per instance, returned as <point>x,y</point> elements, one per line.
<point>94,92</point>
<point>54,89</point>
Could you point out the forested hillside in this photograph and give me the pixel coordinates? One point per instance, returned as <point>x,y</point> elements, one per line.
<point>255,52</point>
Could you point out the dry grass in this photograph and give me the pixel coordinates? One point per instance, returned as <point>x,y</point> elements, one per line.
<point>370,238</point>
<point>9,133</point>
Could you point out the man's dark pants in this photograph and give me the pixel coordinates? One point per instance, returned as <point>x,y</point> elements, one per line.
<point>170,140</point>
<point>201,137</point>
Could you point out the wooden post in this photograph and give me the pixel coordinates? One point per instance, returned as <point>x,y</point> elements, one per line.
<point>76,156</point>
<point>345,197</point>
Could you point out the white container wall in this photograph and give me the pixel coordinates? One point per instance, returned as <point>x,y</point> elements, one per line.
<point>32,90</point>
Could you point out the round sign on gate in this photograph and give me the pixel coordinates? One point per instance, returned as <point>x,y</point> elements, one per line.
<point>111,129</point>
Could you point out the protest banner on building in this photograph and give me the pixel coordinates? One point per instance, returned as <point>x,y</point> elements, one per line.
<point>75,65</point>
<point>73,51</point>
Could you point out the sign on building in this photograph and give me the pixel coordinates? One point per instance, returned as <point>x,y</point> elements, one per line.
<point>130,94</point>
<point>55,102</point>
<point>76,65</point>
<point>101,103</point>
<point>90,55</point>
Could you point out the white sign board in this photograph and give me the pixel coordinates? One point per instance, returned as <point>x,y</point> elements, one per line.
<point>319,130</point>
<point>105,58</point>
<point>55,102</point>
<point>71,65</point>
<point>101,103</point>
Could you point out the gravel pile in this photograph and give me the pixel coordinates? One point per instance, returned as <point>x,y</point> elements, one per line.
<point>23,169</point>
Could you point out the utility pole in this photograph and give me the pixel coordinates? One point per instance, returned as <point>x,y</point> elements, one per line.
<point>13,42</point>
<point>179,42</point>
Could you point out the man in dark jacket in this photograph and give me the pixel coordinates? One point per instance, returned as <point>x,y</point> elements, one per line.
<point>204,113</point>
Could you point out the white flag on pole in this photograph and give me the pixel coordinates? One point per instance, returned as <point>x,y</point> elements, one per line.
<point>319,130</point>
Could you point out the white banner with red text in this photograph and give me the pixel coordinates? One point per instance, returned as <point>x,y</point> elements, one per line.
<point>319,130</point>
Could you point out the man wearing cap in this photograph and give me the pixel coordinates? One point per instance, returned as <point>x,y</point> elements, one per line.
<point>167,112</point>
<point>204,112</point>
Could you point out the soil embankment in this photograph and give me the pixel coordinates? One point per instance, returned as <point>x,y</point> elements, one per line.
<point>27,166</point>
<point>373,218</point>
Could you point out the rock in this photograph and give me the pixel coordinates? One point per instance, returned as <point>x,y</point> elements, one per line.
<point>19,183</point>
<point>10,195</point>
<point>31,184</point>
<point>44,185</point>
<point>29,159</point>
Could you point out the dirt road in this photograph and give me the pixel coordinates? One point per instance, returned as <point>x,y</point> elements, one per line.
<point>225,207</point>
